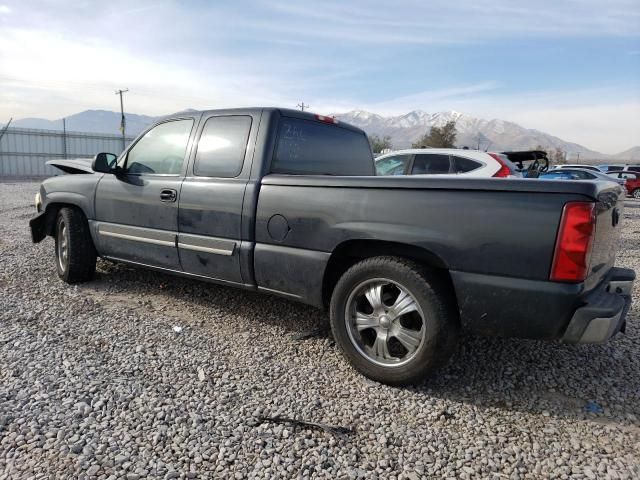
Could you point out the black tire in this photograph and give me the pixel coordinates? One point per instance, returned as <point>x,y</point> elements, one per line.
<point>79,262</point>
<point>439,322</point>
<point>636,193</point>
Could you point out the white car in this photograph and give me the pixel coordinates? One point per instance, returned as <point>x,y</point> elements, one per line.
<point>446,161</point>
<point>577,165</point>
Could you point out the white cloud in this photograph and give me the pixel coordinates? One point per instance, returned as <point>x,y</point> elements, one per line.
<point>4,10</point>
<point>82,75</point>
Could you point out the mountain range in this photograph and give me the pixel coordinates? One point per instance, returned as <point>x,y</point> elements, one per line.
<point>472,132</point>
<point>496,135</point>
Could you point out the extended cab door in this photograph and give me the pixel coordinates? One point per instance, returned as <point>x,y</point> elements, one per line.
<point>211,202</point>
<point>137,208</point>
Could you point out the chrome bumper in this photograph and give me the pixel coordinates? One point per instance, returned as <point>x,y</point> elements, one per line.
<point>605,310</point>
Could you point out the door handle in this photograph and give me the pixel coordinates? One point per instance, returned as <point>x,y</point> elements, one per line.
<point>168,195</point>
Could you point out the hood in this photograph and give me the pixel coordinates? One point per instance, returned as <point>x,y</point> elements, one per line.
<point>74,165</point>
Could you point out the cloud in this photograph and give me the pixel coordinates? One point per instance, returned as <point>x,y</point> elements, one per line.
<point>4,10</point>
<point>58,58</point>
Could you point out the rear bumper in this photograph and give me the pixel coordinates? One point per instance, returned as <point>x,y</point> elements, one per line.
<point>605,310</point>
<point>512,307</point>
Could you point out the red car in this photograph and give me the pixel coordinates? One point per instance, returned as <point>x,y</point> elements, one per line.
<point>633,181</point>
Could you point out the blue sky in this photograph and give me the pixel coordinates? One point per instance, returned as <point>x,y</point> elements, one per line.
<point>569,68</point>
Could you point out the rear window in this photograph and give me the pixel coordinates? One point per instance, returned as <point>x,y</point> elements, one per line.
<point>306,147</point>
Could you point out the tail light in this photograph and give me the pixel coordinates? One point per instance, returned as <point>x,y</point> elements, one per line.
<point>326,119</point>
<point>573,244</point>
<point>504,169</point>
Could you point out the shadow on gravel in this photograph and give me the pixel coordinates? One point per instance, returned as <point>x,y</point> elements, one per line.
<point>545,378</point>
<point>542,377</point>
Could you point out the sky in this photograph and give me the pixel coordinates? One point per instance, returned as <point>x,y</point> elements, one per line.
<point>568,68</point>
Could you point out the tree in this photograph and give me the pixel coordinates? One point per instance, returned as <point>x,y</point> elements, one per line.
<point>379,144</point>
<point>439,137</point>
<point>556,156</point>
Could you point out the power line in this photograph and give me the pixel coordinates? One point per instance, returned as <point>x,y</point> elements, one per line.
<point>122,119</point>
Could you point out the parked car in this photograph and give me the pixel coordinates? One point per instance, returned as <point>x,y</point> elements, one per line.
<point>580,174</point>
<point>578,165</point>
<point>287,202</point>
<point>632,181</point>
<point>613,167</point>
<point>446,161</point>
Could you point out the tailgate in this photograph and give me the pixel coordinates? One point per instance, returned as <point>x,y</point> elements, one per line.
<point>609,212</point>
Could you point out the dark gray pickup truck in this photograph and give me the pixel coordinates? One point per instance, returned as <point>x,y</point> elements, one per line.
<point>287,202</point>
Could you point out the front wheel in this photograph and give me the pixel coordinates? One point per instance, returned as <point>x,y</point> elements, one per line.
<point>395,321</point>
<point>75,253</point>
<point>636,193</point>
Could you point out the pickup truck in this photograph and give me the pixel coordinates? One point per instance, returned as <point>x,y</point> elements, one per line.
<point>287,202</point>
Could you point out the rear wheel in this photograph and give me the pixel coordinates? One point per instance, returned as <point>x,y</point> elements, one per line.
<point>636,193</point>
<point>394,321</point>
<point>75,253</point>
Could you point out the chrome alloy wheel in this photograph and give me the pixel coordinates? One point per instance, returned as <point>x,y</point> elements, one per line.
<point>385,322</point>
<point>63,246</point>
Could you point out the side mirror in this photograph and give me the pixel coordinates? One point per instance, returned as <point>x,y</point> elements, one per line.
<point>104,162</point>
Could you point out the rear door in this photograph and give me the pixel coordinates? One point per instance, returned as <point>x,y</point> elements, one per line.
<point>137,209</point>
<point>212,197</point>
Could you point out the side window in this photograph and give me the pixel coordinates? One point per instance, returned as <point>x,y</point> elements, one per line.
<point>161,150</point>
<point>222,146</point>
<point>395,165</point>
<point>434,163</point>
<point>580,175</point>
<point>462,164</point>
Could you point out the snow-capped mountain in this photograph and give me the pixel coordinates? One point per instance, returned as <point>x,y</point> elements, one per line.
<point>472,132</point>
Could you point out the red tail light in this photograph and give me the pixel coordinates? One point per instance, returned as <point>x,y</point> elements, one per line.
<point>504,169</point>
<point>326,119</point>
<point>573,244</point>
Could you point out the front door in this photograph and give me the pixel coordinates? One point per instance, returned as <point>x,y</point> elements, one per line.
<point>137,209</point>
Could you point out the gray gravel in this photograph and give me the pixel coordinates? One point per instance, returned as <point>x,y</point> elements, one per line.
<point>95,382</point>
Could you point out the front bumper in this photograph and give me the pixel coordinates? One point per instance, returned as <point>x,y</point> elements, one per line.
<point>38,226</point>
<point>604,311</point>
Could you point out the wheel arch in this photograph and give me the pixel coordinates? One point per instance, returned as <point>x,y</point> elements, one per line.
<point>51,212</point>
<point>349,252</point>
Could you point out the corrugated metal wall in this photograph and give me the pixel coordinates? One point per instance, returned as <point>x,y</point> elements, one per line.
<point>24,151</point>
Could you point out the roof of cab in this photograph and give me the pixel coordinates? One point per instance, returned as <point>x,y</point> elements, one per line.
<point>285,112</point>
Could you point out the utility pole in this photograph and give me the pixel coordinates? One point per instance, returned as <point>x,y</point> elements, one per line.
<point>122,120</point>
<point>578,159</point>
<point>302,106</point>
<point>6,127</point>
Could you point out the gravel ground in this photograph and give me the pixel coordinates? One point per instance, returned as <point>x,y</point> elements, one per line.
<point>95,383</point>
